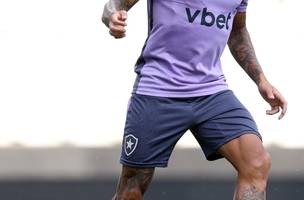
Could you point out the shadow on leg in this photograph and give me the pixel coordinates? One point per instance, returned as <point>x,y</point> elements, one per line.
<point>252,163</point>
<point>133,183</point>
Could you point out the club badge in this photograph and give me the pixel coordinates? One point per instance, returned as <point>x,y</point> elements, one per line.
<point>130,144</point>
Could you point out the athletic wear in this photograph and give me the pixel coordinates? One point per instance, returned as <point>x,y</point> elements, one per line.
<point>186,38</point>
<point>180,85</point>
<point>155,124</point>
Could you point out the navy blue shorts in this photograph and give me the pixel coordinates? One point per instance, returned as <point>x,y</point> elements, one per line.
<point>155,124</point>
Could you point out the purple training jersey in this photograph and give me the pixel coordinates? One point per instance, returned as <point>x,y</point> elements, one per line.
<point>186,38</point>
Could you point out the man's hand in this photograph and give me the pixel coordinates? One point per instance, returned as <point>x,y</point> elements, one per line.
<point>117,24</point>
<point>242,50</point>
<point>274,98</point>
<point>114,16</point>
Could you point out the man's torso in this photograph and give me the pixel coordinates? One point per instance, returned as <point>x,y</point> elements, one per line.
<point>181,56</point>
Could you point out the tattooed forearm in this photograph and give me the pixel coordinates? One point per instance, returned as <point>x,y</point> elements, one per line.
<point>127,4</point>
<point>242,49</point>
<point>251,194</point>
<point>114,5</point>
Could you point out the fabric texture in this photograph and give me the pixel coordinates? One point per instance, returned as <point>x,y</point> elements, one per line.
<point>155,124</point>
<point>186,38</point>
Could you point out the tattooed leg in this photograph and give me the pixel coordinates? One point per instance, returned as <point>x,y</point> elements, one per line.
<point>252,163</point>
<point>250,193</point>
<point>133,183</point>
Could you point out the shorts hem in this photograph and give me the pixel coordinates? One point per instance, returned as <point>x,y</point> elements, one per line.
<point>215,156</point>
<point>142,165</point>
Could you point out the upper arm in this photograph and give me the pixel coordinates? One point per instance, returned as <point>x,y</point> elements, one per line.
<point>238,29</point>
<point>240,17</point>
<point>239,22</point>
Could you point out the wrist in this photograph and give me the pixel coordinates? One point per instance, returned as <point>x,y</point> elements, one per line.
<point>105,20</point>
<point>262,80</point>
<point>108,11</point>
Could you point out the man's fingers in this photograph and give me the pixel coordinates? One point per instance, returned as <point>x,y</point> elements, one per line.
<point>274,110</point>
<point>282,102</point>
<point>275,99</point>
<point>123,15</point>
<point>121,36</point>
<point>117,20</point>
<point>284,109</point>
<point>119,23</point>
<point>117,29</point>
<point>117,35</point>
<point>279,97</point>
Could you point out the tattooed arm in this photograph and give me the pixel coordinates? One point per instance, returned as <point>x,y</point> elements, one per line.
<point>115,15</point>
<point>243,52</point>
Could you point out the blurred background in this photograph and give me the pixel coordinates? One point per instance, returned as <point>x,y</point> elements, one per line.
<point>64,88</point>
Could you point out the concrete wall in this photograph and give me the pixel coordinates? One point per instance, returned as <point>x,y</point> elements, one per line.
<point>83,163</point>
<point>69,173</point>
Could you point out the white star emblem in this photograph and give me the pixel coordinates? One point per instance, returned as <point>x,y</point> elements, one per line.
<point>129,144</point>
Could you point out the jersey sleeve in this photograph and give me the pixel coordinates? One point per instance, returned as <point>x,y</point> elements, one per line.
<point>243,6</point>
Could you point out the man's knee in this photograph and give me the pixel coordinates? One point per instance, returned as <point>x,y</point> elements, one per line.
<point>261,165</point>
<point>257,167</point>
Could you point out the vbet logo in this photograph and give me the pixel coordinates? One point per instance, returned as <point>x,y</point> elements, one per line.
<point>208,18</point>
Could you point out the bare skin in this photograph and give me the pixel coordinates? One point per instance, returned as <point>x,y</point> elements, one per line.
<point>243,52</point>
<point>252,163</point>
<point>133,183</point>
<point>245,153</point>
<point>115,16</point>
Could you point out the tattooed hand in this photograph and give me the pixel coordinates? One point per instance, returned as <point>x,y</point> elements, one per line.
<point>273,97</point>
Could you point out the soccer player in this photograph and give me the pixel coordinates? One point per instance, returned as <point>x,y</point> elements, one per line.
<point>180,86</point>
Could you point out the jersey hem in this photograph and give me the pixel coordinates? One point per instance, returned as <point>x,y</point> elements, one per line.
<point>181,94</point>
